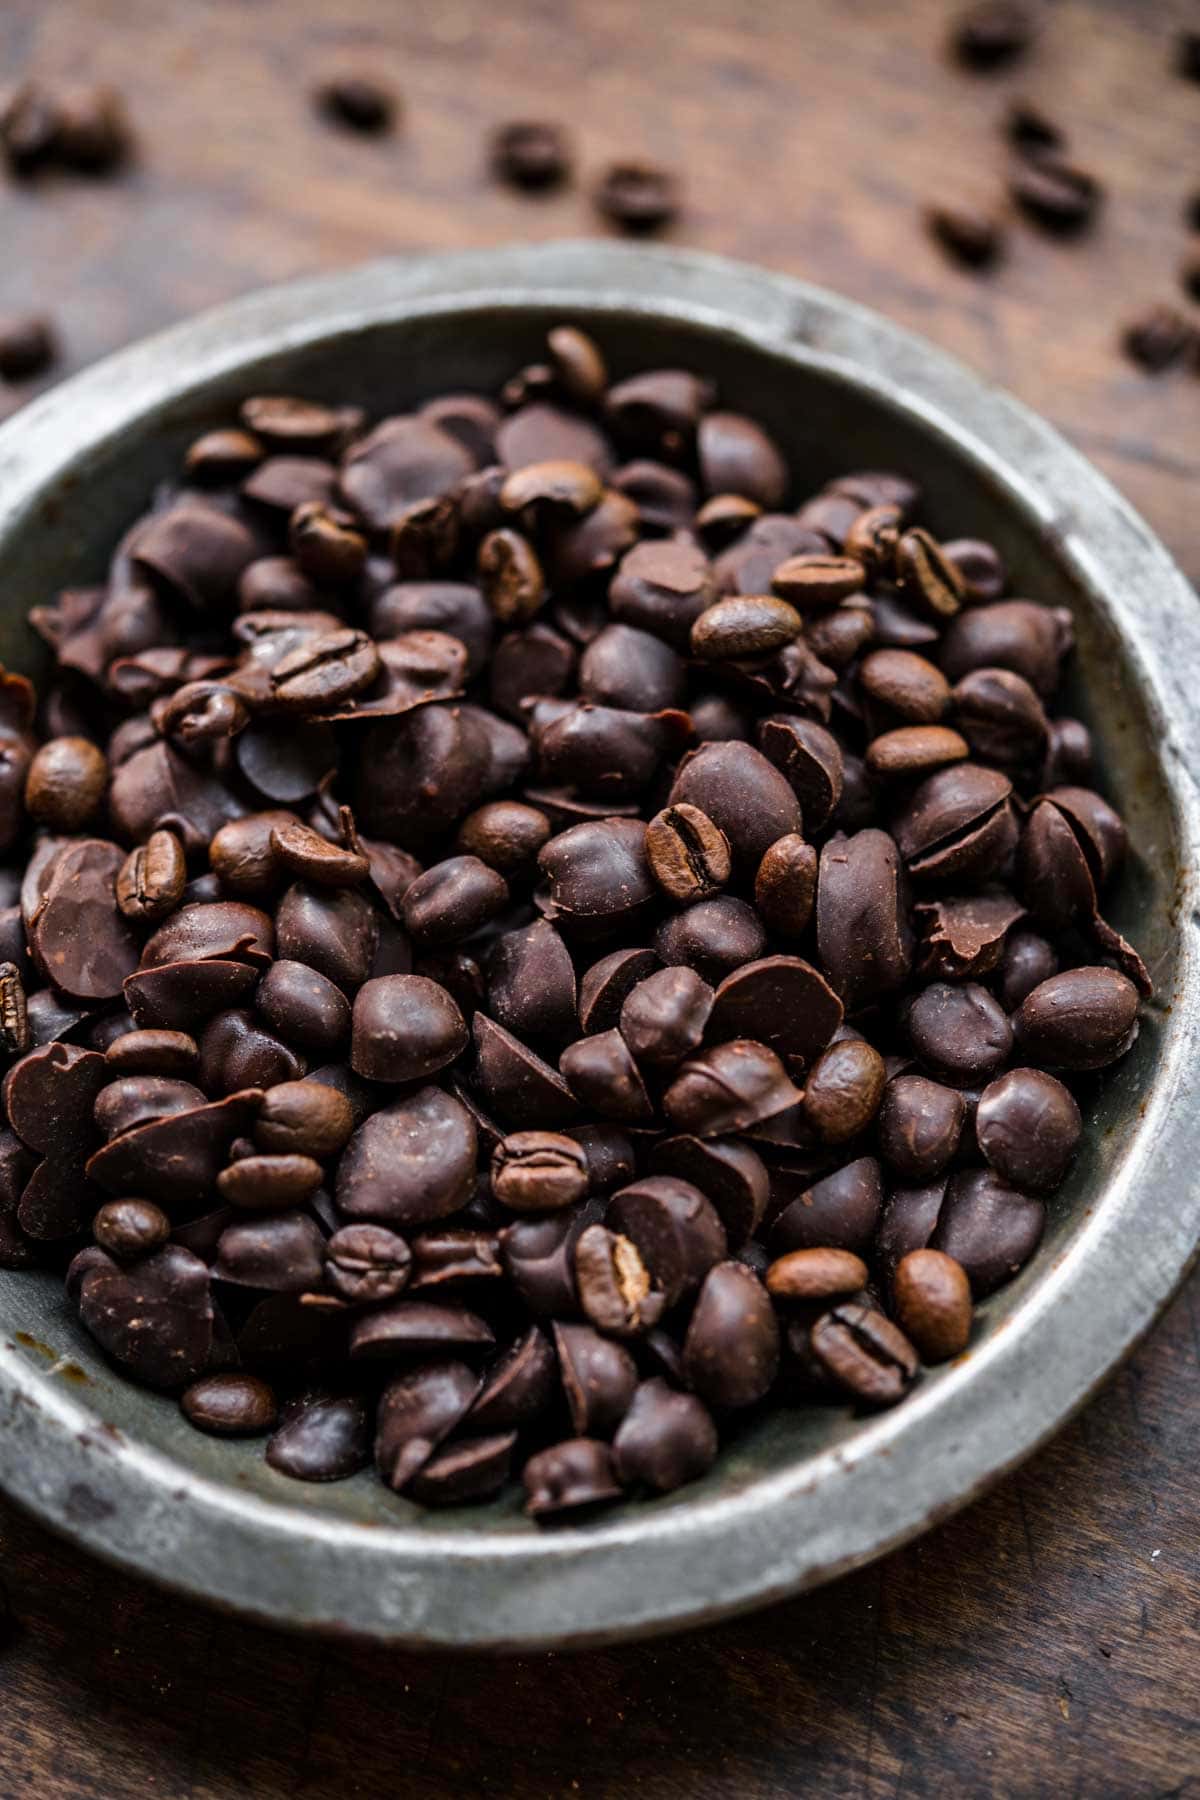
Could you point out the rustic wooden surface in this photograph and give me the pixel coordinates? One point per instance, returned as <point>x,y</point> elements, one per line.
<point>1046,1641</point>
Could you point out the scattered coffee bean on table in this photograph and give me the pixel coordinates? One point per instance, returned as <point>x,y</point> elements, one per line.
<point>531,153</point>
<point>992,34</point>
<point>357,101</point>
<point>511,968</point>
<point>1159,337</point>
<point>27,345</point>
<point>639,197</point>
<point>968,234</point>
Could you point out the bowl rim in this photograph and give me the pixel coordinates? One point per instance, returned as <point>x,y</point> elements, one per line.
<point>659,1570</point>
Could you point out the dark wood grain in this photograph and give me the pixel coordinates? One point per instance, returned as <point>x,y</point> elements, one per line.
<point>1047,1641</point>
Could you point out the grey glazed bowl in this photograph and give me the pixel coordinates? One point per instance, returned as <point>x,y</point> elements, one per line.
<point>804,1495</point>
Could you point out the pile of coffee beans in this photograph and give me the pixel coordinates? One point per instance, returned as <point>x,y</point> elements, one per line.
<point>526,941</point>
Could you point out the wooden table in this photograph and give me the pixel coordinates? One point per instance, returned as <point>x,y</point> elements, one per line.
<point>1047,1641</point>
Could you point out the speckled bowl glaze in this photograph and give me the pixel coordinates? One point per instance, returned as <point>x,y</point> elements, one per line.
<point>802,1495</point>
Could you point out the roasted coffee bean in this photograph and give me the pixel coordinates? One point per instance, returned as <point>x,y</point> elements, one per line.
<point>814,580</point>
<point>785,885</point>
<point>1158,337</point>
<point>14,1012</point>
<point>569,1476</point>
<point>731,1351</point>
<point>914,750</point>
<point>230,1405</point>
<point>357,101</point>
<point>366,1264</point>
<point>688,855</point>
<point>539,1171</point>
<point>816,1274</point>
<point>404,1028</point>
<point>967,233</point>
<point>303,1118</point>
<point>531,153</point>
<point>664,1017</point>
<point>932,1299</point>
<point>990,1228</point>
<point>93,133</point>
<point>843,1089</point>
<point>920,1123</point>
<point>442,1258</point>
<point>66,783</point>
<point>305,853</point>
<point>665,1439</point>
<point>269,1183</point>
<point>638,196</point>
<point>1055,194</point>
<point>904,687</point>
<point>1028,1127</point>
<point>1082,1019</point>
<point>992,33</point>
<point>128,1229</point>
<point>744,625</point>
<point>282,1253</point>
<point>29,125</point>
<point>614,1285</point>
<point>578,364</point>
<point>867,1356</point>
<point>927,578</point>
<point>510,575</point>
<point>27,345</point>
<point>326,671</point>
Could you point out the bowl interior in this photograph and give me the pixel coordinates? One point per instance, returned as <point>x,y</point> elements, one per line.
<point>828,422</point>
